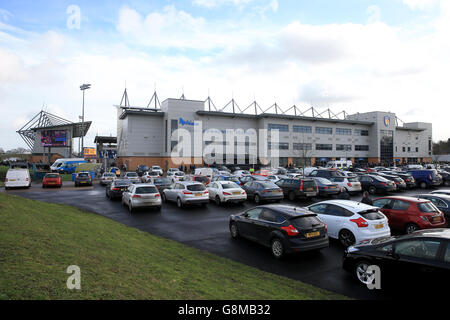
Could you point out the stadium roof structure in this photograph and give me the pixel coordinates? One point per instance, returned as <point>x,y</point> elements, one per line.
<point>46,120</point>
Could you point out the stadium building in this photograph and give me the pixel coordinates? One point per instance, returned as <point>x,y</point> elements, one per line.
<point>144,135</point>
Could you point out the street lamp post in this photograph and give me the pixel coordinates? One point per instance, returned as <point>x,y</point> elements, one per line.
<point>82,88</point>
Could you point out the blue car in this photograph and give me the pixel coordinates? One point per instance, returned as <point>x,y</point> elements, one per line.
<point>228,178</point>
<point>426,178</point>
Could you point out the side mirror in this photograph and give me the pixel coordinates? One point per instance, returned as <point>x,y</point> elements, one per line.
<point>393,255</point>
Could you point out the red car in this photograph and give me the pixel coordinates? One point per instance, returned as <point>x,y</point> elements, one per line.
<point>203,179</point>
<point>410,214</point>
<point>262,172</point>
<point>52,180</point>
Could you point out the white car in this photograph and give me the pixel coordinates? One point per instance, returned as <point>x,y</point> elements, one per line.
<point>224,173</point>
<point>350,184</point>
<point>149,175</point>
<point>186,193</point>
<point>226,191</point>
<point>445,191</point>
<point>157,169</point>
<point>178,176</point>
<point>132,176</point>
<point>141,196</point>
<point>351,222</point>
<point>17,178</point>
<point>242,173</point>
<point>107,178</point>
<point>294,175</point>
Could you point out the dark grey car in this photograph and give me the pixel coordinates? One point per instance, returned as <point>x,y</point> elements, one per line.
<point>263,191</point>
<point>83,179</point>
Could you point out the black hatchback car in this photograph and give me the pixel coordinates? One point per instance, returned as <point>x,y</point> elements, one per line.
<point>116,188</point>
<point>376,184</point>
<point>284,229</point>
<point>422,257</point>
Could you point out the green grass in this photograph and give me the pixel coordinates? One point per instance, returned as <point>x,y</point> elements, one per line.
<point>38,241</point>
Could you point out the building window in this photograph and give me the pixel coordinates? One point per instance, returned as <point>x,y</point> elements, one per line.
<point>302,146</point>
<point>279,146</point>
<point>324,130</point>
<point>344,132</point>
<point>361,148</point>
<point>417,149</point>
<point>279,127</point>
<point>302,129</point>
<point>404,149</point>
<point>321,146</point>
<point>409,149</point>
<point>343,147</point>
<point>173,125</point>
<point>359,132</point>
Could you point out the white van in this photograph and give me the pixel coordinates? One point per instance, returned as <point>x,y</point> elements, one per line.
<point>59,162</point>
<point>17,178</point>
<point>207,172</point>
<point>339,164</point>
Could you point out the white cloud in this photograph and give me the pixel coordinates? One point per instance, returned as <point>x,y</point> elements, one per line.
<point>217,3</point>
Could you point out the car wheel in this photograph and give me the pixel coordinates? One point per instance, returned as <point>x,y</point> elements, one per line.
<point>277,248</point>
<point>179,203</point>
<point>347,238</point>
<point>361,272</point>
<point>291,195</point>
<point>447,183</point>
<point>372,190</point>
<point>411,227</point>
<point>234,230</point>
<point>257,199</point>
<point>218,201</point>
<point>423,185</point>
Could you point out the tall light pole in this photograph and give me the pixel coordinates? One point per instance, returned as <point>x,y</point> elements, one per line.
<point>82,88</point>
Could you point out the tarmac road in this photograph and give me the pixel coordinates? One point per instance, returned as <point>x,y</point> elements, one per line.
<point>207,229</point>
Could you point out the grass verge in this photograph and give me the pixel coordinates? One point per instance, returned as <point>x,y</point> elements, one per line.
<point>39,240</point>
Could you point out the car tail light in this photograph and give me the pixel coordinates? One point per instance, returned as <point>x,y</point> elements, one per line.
<point>243,192</point>
<point>383,183</point>
<point>360,222</point>
<point>26,179</point>
<point>116,189</point>
<point>325,188</point>
<point>407,180</point>
<point>226,193</point>
<point>137,196</point>
<point>157,195</point>
<point>326,227</point>
<point>301,185</point>
<point>206,192</point>
<point>396,182</point>
<point>291,231</point>
<point>6,180</point>
<point>349,184</point>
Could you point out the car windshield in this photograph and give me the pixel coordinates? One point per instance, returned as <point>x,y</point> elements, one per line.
<point>196,187</point>
<point>323,181</point>
<point>144,190</point>
<point>229,185</point>
<point>143,168</point>
<point>269,185</point>
<point>109,175</point>
<point>122,183</point>
<point>131,174</point>
<point>51,175</point>
<point>355,179</point>
<point>381,179</point>
<point>231,179</point>
<point>371,214</point>
<point>153,173</point>
<point>306,222</point>
<point>179,174</point>
<point>162,181</point>
<point>427,207</point>
<point>83,175</point>
<point>156,168</point>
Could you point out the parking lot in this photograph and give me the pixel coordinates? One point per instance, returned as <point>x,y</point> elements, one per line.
<point>207,229</point>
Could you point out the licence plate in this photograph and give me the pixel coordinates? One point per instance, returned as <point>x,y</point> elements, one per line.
<point>236,193</point>
<point>12,179</point>
<point>198,194</point>
<point>309,189</point>
<point>379,226</point>
<point>310,194</point>
<point>313,234</point>
<point>436,219</point>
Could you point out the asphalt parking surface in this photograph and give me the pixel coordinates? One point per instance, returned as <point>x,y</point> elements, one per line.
<point>207,229</point>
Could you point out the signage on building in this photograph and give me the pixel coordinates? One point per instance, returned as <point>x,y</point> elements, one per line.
<point>89,153</point>
<point>387,121</point>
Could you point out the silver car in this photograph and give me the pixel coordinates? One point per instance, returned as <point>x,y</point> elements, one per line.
<point>107,178</point>
<point>141,196</point>
<point>186,193</point>
<point>132,176</point>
